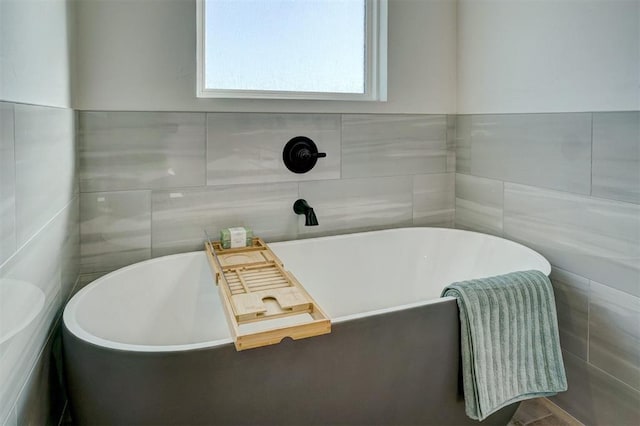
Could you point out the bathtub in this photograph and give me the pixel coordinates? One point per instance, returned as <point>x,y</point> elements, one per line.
<point>149,343</point>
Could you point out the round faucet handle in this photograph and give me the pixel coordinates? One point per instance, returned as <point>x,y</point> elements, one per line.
<point>300,154</point>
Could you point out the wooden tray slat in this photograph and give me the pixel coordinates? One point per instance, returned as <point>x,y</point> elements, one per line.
<point>254,286</point>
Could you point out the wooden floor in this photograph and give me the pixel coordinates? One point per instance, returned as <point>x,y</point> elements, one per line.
<point>542,412</point>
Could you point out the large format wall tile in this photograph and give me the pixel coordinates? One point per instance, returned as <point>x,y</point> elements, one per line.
<point>479,203</point>
<point>433,199</point>
<point>358,204</point>
<point>7,184</point>
<point>572,304</point>
<point>141,150</point>
<point>614,333</point>
<point>20,354</point>
<point>180,217</point>
<point>599,239</point>
<point>393,145</point>
<point>546,150</point>
<point>115,229</point>
<point>596,398</point>
<point>247,148</point>
<point>616,156</point>
<point>45,165</point>
<point>37,264</point>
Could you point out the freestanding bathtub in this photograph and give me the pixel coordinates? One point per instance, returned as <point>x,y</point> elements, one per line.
<point>149,343</point>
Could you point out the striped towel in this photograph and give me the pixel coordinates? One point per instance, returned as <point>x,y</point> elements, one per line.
<point>510,344</point>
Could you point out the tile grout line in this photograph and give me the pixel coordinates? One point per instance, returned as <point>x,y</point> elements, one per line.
<point>341,126</point>
<point>151,224</point>
<point>591,160</point>
<point>502,233</point>
<point>588,321</point>
<point>608,375</point>
<point>206,149</point>
<point>15,185</point>
<point>39,230</point>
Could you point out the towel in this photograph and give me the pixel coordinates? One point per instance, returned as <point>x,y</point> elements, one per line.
<point>509,340</point>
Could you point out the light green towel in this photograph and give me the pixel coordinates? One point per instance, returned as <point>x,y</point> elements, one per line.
<point>510,345</point>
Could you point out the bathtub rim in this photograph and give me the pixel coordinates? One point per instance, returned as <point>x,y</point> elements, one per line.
<point>71,324</point>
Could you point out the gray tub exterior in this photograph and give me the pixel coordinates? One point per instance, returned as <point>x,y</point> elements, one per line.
<point>398,368</point>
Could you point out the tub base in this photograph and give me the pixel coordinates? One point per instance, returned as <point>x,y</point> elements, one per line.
<point>398,368</point>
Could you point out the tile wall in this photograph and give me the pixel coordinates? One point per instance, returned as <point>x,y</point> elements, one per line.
<point>568,185</point>
<point>151,183</point>
<point>39,250</point>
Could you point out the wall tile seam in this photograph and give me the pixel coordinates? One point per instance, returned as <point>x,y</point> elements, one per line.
<point>591,159</point>
<point>15,185</point>
<point>74,287</point>
<point>188,111</point>
<point>392,114</point>
<point>341,146</point>
<point>589,297</point>
<point>27,104</point>
<point>502,210</point>
<point>205,175</point>
<point>614,289</point>
<point>586,196</point>
<point>589,197</point>
<point>614,200</point>
<point>588,324</point>
<point>39,230</point>
<point>589,374</point>
<point>150,225</point>
<point>187,188</point>
<point>611,377</point>
<point>587,336</point>
<point>144,188</point>
<point>466,114</point>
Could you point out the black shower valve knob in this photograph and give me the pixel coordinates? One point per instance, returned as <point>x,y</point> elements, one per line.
<point>300,154</point>
<point>305,154</point>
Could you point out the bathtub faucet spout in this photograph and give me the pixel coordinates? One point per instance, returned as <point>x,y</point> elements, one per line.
<point>302,207</point>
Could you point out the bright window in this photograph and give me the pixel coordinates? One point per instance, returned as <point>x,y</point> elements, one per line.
<point>292,49</point>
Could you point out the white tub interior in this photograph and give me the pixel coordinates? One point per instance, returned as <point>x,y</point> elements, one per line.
<point>171,303</point>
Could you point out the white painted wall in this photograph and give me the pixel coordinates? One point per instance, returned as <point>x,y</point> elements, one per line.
<point>548,55</point>
<point>140,55</point>
<point>36,52</point>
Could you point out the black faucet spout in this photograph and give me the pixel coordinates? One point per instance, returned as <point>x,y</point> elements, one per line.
<point>302,207</point>
<point>310,218</point>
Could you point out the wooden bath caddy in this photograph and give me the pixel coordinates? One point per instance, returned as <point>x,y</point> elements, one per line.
<point>254,287</point>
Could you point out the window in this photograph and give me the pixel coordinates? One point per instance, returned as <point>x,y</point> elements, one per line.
<point>292,49</point>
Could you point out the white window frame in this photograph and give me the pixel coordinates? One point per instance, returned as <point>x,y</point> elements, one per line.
<point>375,71</point>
